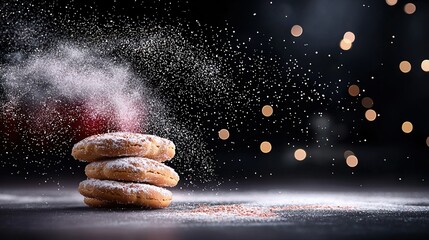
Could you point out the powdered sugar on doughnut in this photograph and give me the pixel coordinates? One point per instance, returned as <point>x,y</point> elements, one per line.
<point>134,164</point>
<point>128,188</point>
<point>123,144</point>
<point>117,139</point>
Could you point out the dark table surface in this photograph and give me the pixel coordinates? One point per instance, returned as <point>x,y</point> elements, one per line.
<point>264,214</point>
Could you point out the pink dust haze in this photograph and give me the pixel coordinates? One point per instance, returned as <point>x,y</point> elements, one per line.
<point>102,88</point>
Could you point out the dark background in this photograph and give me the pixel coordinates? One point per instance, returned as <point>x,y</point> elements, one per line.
<point>385,153</point>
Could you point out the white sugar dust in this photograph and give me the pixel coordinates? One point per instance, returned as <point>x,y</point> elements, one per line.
<point>68,92</point>
<point>59,94</point>
<point>75,75</point>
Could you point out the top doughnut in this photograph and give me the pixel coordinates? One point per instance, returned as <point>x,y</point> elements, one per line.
<point>123,144</point>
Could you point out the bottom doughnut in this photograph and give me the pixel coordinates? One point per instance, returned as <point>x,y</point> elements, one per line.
<point>95,203</point>
<point>92,202</point>
<point>102,193</point>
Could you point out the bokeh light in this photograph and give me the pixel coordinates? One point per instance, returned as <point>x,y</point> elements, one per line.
<point>345,44</point>
<point>425,65</point>
<point>348,153</point>
<point>407,127</point>
<point>370,115</point>
<point>391,2</point>
<point>367,102</point>
<point>405,66</point>
<point>296,30</point>
<point>354,90</point>
<point>265,147</point>
<point>223,134</point>
<point>300,154</point>
<point>352,161</point>
<point>350,36</point>
<point>427,141</point>
<point>267,110</point>
<point>409,8</point>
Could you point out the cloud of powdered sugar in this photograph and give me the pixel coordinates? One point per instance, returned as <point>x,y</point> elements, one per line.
<point>70,73</point>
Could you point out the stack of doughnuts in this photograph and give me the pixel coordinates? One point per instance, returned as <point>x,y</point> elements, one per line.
<point>126,169</point>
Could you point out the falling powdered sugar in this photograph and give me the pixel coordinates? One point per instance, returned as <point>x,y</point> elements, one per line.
<point>68,92</point>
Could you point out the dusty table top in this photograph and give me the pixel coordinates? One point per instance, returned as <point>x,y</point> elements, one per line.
<point>273,214</point>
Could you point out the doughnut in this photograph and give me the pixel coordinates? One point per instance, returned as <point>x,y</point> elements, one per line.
<point>123,144</point>
<point>92,202</point>
<point>137,194</point>
<point>133,169</point>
